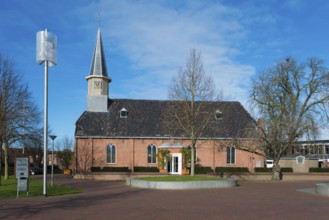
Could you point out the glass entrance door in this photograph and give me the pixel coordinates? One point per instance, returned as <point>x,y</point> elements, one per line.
<point>175,165</point>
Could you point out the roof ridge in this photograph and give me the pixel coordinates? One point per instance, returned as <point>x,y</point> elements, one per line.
<point>167,100</point>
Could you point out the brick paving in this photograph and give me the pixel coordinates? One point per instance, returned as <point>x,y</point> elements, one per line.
<point>115,200</point>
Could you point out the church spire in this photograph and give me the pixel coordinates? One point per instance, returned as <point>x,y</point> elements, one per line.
<point>98,79</point>
<point>98,64</point>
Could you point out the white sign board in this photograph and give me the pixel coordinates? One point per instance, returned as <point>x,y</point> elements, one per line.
<point>22,167</point>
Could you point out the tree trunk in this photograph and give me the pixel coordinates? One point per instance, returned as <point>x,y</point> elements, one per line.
<point>276,172</point>
<point>192,159</point>
<point>6,161</point>
<point>0,162</point>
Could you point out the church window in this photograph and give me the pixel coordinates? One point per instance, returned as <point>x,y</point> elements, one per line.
<point>111,153</point>
<point>230,155</point>
<point>151,153</point>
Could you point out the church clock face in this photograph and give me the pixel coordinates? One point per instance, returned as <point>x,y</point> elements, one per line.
<point>97,84</point>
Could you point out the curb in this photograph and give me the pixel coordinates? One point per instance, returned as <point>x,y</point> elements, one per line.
<point>181,185</point>
<point>322,189</point>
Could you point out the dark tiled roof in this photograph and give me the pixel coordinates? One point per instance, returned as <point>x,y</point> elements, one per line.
<point>153,118</point>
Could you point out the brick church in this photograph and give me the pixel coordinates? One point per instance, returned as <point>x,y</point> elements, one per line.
<point>130,132</point>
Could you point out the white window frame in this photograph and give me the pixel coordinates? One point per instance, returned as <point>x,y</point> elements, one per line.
<point>153,152</point>
<point>125,111</point>
<point>115,155</point>
<point>229,158</point>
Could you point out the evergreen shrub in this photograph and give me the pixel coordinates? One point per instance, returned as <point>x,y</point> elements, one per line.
<point>202,170</point>
<point>146,169</point>
<point>110,169</point>
<point>318,170</point>
<point>232,170</point>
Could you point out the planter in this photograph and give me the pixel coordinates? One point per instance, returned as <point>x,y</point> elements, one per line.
<point>163,171</point>
<point>67,172</point>
<point>185,171</point>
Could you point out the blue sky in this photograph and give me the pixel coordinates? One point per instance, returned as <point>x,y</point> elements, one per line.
<point>147,41</point>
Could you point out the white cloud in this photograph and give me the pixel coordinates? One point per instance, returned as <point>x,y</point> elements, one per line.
<point>157,39</point>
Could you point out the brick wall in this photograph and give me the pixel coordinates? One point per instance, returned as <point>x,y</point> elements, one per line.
<point>133,152</point>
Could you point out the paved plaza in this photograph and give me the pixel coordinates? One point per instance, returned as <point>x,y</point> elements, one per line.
<point>114,200</point>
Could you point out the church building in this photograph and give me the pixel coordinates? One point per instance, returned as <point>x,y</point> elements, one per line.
<point>129,133</point>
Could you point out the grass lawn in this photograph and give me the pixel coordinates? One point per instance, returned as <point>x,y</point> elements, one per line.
<point>8,189</point>
<point>181,178</point>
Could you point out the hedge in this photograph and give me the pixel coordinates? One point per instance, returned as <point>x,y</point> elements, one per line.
<point>146,169</point>
<point>110,169</point>
<point>269,170</point>
<point>202,170</point>
<point>232,170</point>
<point>318,170</point>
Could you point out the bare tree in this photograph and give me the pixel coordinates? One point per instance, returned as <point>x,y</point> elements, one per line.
<point>18,114</point>
<point>293,101</point>
<point>193,88</point>
<point>33,146</point>
<point>84,159</point>
<point>65,151</point>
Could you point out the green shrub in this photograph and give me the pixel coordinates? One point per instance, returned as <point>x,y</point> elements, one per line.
<point>318,170</point>
<point>286,169</point>
<point>110,169</point>
<point>269,170</point>
<point>232,170</point>
<point>202,170</point>
<point>146,169</point>
<point>263,170</point>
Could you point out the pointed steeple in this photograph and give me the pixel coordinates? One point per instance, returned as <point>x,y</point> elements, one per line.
<point>98,79</point>
<point>98,65</point>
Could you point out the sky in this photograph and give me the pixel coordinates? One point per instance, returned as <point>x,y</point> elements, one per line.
<point>146,42</point>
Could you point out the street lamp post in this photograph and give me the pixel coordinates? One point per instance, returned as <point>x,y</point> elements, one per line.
<point>46,54</point>
<point>52,159</point>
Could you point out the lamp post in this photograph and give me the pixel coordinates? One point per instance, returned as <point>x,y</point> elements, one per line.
<point>46,54</point>
<point>52,160</point>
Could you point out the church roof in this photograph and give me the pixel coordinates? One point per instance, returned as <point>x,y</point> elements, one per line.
<point>98,64</point>
<point>154,118</point>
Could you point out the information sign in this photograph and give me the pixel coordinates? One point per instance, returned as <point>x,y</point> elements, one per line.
<point>22,174</point>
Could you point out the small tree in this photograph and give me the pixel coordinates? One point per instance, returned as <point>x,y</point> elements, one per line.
<point>65,152</point>
<point>293,100</point>
<point>84,159</point>
<point>163,156</point>
<point>186,157</point>
<point>19,116</point>
<point>193,89</point>
<point>33,147</point>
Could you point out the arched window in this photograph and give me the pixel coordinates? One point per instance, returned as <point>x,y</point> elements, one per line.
<point>230,155</point>
<point>110,153</point>
<point>151,153</point>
